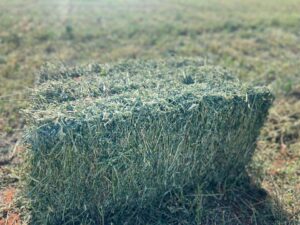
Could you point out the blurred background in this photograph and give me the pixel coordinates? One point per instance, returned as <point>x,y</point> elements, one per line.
<point>259,41</point>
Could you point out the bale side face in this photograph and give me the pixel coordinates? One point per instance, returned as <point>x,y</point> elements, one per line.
<point>130,156</point>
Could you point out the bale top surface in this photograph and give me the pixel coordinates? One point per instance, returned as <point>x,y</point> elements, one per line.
<point>112,90</point>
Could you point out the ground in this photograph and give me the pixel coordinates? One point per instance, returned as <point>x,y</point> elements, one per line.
<point>257,40</point>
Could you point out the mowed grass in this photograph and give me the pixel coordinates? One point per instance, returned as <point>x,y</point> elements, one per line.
<point>257,40</point>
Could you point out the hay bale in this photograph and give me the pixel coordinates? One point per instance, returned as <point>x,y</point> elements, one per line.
<point>136,142</point>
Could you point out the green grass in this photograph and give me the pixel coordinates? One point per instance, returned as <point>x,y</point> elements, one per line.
<point>257,40</point>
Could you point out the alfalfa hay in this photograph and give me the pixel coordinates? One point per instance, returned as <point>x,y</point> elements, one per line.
<point>136,142</point>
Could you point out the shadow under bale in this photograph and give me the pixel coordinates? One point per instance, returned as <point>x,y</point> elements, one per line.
<point>140,142</point>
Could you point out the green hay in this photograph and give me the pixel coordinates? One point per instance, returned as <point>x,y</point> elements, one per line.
<point>137,142</point>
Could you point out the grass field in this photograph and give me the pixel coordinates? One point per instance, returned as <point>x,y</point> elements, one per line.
<point>257,40</point>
